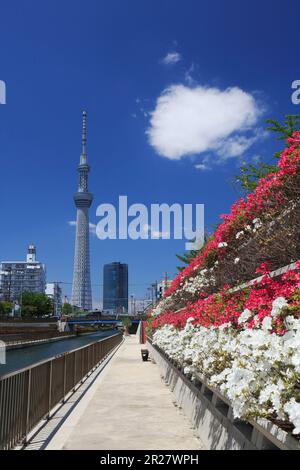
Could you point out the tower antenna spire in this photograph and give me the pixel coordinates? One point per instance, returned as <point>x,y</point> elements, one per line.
<point>84,116</point>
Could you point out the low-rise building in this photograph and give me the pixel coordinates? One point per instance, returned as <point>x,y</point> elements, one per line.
<point>54,291</point>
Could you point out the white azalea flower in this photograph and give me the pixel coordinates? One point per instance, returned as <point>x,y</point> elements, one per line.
<point>277,306</point>
<point>292,408</point>
<point>254,368</point>
<point>239,234</point>
<point>257,223</point>
<point>244,316</point>
<point>267,323</point>
<point>222,245</point>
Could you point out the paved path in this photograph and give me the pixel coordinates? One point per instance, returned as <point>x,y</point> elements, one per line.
<point>127,407</point>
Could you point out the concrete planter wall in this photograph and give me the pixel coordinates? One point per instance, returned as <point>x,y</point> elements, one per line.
<point>211,414</point>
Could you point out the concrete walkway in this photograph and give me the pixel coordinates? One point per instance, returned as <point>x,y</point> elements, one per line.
<point>127,407</point>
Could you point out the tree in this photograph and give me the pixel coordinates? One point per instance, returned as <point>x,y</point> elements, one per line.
<point>126,324</point>
<point>187,257</point>
<point>5,308</point>
<point>36,304</point>
<point>67,309</point>
<point>251,173</point>
<point>286,130</point>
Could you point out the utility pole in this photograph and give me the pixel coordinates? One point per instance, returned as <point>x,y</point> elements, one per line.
<point>154,291</point>
<point>149,294</point>
<point>131,304</point>
<point>166,283</point>
<point>134,307</point>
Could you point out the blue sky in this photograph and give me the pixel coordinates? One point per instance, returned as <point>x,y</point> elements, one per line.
<point>136,67</point>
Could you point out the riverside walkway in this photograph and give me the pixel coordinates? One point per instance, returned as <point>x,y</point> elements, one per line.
<point>127,407</point>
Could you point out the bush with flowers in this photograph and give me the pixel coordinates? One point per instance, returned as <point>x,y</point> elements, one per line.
<point>246,341</point>
<point>263,226</point>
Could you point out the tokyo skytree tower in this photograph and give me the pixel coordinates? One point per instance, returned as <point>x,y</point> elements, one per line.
<point>81,289</point>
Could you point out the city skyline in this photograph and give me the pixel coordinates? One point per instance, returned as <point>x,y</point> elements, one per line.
<point>150,204</point>
<point>122,83</point>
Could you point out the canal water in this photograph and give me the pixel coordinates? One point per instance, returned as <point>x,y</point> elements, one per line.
<point>19,358</point>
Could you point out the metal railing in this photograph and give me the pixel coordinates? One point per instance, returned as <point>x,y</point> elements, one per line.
<point>28,395</point>
<point>34,338</point>
<point>9,319</point>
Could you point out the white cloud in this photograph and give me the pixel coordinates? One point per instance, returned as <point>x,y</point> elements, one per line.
<point>188,75</point>
<point>202,166</point>
<point>257,158</point>
<point>192,120</point>
<point>154,233</point>
<point>235,146</point>
<point>171,58</point>
<point>92,227</point>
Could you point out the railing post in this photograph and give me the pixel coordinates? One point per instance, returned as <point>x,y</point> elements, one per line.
<point>27,407</point>
<point>65,378</point>
<point>74,370</point>
<point>82,365</point>
<point>89,360</point>
<point>93,355</point>
<point>50,389</point>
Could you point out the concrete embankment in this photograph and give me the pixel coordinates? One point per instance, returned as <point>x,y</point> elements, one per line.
<point>26,344</point>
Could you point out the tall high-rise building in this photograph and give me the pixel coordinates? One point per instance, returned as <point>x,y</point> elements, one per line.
<point>115,287</point>
<point>17,277</point>
<point>81,289</point>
